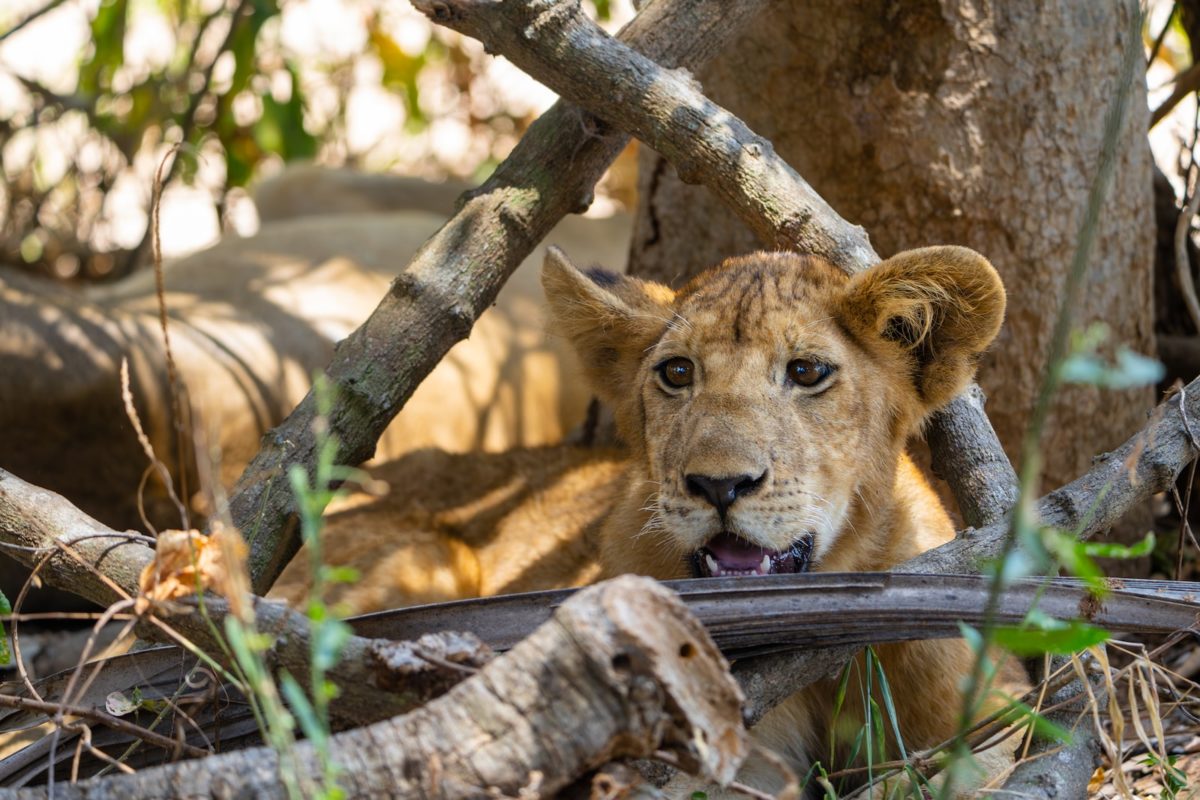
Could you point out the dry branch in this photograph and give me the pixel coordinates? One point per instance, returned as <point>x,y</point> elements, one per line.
<point>36,524</point>
<point>824,609</point>
<point>558,44</point>
<point>1058,771</point>
<point>455,276</point>
<point>623,670</point>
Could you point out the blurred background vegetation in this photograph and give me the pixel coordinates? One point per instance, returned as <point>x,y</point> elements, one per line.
<point>94,93</point>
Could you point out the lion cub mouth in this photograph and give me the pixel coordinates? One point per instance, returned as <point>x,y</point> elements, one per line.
<point>726,555</point>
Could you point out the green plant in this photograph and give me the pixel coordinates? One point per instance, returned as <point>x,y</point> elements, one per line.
<point>328,633</point>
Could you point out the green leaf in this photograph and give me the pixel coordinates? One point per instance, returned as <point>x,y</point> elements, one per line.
<point>1070,637</point>
<point>1113,550</point>
<point>885,691</point>
<point>878,734</point>
<point>303,710</point>
<point>280,129</point>
<point>5,609</point>
<point>108,47</point>
<point>328,640</point>
<point>839,699</point>
<point>400,71</point>
<point>340,574</point>
<point>1074,557</point>
<point>1130,370</point>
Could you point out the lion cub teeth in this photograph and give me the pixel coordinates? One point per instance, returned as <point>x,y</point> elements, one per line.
<point>765,567</point>
<point>714,569</point>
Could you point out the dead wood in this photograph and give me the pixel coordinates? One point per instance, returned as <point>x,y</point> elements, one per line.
<point>454,277</point>
<point>622,670</point>
<point>825,609</point>
<point>807,613</point>
<point>103,565</point>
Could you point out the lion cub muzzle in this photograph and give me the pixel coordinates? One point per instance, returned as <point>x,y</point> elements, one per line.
<point>727,554</point>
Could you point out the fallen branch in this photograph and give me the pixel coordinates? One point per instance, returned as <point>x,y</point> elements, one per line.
<point>1048,775</point>
<point>106,719</point>
<point>824,609</point>
<point>454,277</point>
<point>103,565</point>
<point>623,670</point>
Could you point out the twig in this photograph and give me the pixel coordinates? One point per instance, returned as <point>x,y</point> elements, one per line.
<point>1186,83</point>
<point>1183,265</point>
<point>84,559</point>
<point>1162,35</point>
<point>155,463</point>
<point>160,294</point>
<point>116,723</point>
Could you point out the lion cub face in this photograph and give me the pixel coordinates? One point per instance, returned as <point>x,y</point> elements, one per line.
<point>767,402</point>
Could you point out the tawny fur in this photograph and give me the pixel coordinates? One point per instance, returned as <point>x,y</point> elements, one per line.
<point>902,338</point>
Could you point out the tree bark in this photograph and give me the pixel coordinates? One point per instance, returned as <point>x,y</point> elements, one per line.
<point>103,565</point>
<point>622,670</point>
<point>948,121</point>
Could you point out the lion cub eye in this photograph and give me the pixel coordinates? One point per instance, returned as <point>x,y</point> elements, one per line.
<point>806,372</point>
<point>677,372</point>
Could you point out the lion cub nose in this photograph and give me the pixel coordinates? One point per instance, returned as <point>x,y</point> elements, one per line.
<point>722,492</point>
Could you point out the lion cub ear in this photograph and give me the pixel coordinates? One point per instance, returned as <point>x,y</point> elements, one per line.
<point>940,306</point>
<point>610,320</point>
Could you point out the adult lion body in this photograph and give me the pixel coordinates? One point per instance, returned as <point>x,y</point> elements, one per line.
<point>766,407</point>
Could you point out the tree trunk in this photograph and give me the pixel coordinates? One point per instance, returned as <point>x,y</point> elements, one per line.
<point>951,121</point>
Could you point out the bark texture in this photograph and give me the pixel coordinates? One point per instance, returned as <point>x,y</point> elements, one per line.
<point>948,121</point>
<point>623,670</point>
<point>103,565</point>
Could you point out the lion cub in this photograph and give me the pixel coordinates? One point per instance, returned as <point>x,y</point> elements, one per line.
<point>765,406</point>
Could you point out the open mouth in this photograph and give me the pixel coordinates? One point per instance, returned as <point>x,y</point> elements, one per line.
<point>726,555</point>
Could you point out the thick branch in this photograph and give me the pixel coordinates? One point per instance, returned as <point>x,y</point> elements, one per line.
<point>558,44</point>
<point>621,671</point>
<point>1148,462</point>
<point>35,523</point>
<point>455,276</point>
